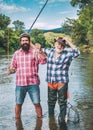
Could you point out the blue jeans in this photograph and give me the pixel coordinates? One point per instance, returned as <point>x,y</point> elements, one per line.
<point>33,91</point>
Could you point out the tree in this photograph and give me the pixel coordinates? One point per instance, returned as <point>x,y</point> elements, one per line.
<point>37,36</point>
<point>81,3</point>
<point>90,35</point>
<point>19,25</point>
<point>81,29</point>
<point>4,21</point>
<point>67,26</point>
<point>9,39</point>
<point>86,20</point>
<point>79,33</point>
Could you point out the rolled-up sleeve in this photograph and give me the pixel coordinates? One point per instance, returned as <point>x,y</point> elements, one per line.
<point>75,53</point>
<point>13,62</point>
<point>42,61</point>
<point>47,51</point>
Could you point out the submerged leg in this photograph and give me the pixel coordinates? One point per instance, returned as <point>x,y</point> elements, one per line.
<point>18,109</point>
<point>38,109</point>
<point>52,98</point>
<point>62,100</point>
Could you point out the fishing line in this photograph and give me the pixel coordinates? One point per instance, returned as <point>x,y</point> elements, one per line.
<point>38,16</point>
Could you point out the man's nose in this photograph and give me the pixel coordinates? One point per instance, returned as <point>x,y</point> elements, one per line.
<point>25,42</point>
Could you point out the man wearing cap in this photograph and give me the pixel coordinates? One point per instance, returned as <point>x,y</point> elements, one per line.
<point>25,62</point>
<point>58,61</point>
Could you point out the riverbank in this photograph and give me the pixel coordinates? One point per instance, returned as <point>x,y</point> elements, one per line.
<point>86,49</point>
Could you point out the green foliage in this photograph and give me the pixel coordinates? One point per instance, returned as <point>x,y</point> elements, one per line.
<point>67,26</point>
<point>86,18</point>
<point>90,34</point>
<point>4,21</point>
<point>37,36</point>
<point>19,25</point>
<point>79,32</point>
<point>81,3</point>
<point>2,34</point>
<point>45,39</point>
<point>14,42</point>
<point>81,29</point>
<point>9,39</point>
<point>50,36</point>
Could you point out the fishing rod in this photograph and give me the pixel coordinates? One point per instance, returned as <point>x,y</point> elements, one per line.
<point>38,16</point>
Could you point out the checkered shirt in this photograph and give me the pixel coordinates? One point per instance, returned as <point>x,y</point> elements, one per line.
<point>26,65</point>
<point>57,70</point>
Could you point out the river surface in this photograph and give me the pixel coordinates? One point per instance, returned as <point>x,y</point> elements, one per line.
<point>81,96</point>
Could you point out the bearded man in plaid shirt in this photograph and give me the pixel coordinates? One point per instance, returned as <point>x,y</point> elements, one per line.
<point>25,62</point>
<point>58,62</point>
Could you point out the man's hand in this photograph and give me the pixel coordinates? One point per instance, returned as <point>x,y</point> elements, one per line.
<point>38,46</point>
<point>42,55</point>
<point>10,71</point>
<point>69,42</point>
<point>32,45</point>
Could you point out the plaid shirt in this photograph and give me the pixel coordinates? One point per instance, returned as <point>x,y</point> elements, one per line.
<point>26,65</point>
<point>57,70</point>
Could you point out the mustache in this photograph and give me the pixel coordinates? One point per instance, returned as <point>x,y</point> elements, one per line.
<point>25,44</point>
<point>58,49</point>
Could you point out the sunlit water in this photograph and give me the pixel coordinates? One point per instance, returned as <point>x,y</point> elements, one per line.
<point>81,96</point>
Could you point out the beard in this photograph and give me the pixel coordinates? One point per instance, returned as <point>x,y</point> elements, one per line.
<point>25,47</point>
<point>58,50</point>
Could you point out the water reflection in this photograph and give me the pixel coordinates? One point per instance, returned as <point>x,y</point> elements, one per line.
<point>38,124</point>
<point>53,123</point>
<point>63,127</point>
<point>19,125</point>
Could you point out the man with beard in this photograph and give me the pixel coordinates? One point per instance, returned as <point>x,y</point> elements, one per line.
<point>58,62</point>
<point>26,62</point>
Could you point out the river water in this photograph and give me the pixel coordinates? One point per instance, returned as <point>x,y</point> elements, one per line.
<point>81,96</point>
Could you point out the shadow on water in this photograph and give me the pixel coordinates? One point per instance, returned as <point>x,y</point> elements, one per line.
<point>81,96</point>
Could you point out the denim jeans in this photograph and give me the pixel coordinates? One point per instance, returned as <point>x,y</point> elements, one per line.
<point>32,90</point>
